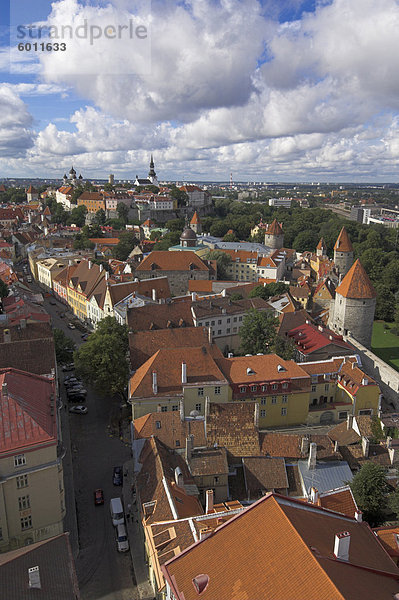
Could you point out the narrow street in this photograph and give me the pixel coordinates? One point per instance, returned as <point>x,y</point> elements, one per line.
<point>92,451</point>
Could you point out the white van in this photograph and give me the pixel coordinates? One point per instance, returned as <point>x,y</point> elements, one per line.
<point>121,539</point>
<point>116,509</point>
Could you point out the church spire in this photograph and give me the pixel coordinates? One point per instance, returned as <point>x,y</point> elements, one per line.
<point>152,168</point>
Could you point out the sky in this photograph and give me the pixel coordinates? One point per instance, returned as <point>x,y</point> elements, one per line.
<point>272,90</point>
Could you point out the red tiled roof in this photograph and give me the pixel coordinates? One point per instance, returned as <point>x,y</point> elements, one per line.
<point>172,261</point>
<point>309,338</point>
<point>26,418</point>
<point>195,220</point>
<point>321,245</point>
<point>343,243</point>
<point>356,283</point>
<point>264,368</point>
<point>274,228</point>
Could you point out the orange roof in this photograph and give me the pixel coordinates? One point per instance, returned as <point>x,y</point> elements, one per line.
<point>105,241</point>
<point>356,283</point>
<point>285,548</point>
<point>195,220</point>
<point>172,261</point>
<point>343,243</point>
<point>388,537</point>
<point>65,189</point>
<point>340,500</point>
<point>31,190</point>
<point>321,245</point>
<point>47,211</point>
<point>275,228</point>
<point>266,367</point>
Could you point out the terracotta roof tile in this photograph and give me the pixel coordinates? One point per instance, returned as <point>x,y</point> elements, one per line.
<point>160,316</point>
<point>343,243</point>
<point>264,474</point>
<point>170,429</point>
<point>209,461</point>
<point>275,228</point>
<point>172,261</point>
<point>266,367</point>
<point>232,426</point>
<point>195,220</point>
<point>356,283</point>
<point>288,445</point>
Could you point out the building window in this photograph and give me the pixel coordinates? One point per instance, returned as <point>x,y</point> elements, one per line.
<point>22,481</point>
<point>228,320</point>
<point>243,389</point>
<point>217,390</point>
<point>254,388</point>
<point>26,522</point>
<point>207,324</point>
<point>219,331</point>
<point>164,409</point>
<point>219,321</point>
<point>157,424</point>
<point>274,386</point>
<point>285,385</point>
<point>313,388</point>
<point>19,460</point>
<point>263,413</point>
<point>23,502</point>
<point>326,387</point>
<point>263,400</point>
<point>240,318</point>
<point>274,399</point>
<point>367,411</point>
<point>177,443</point>
<point>283,412</point>
<point>200,391</point>
<point>264,388</point>
<point>216,480</point>
<point>198,406</point>
<point>228,330</point>
<point>285,399</point>
<point>212,322</point>
<point>235,320</point>
<point>175,407</point>
<point>343,414</point>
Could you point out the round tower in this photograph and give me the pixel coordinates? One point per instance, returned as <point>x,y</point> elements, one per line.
<point>274,235</point>
<point>188,239</point>
<point>354,305</point>
<point>343,253</point>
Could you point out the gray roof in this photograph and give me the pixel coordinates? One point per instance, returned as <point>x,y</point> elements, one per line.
<point>325,477</point>
<point>56,569</point>
<point>220,244</point>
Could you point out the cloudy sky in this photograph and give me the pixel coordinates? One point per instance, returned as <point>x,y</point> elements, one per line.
<point>272,90</point>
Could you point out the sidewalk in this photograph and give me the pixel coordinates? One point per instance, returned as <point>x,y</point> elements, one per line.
<point>136,536</point>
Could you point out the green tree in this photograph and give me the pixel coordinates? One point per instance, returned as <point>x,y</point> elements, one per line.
<point>100,217</point>
<point>102,360</point>
<point>179,195</point>
<point>223,262</point>
<point>123,212</point>
<point>170,239</point>
<point>64,347</point>
<point>77,216</point>
<point>269,290</point>
<point>285,348</point>
<point>3,289</point>
<point>108,187</point>
<point>127,241</point>
<point>370,490</point>
<point>258,332</point>
<point>385,306</point>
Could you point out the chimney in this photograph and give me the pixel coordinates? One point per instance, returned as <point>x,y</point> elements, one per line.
<point>106,275</point>
<point>341,545</point>
<point>189,447</point>
<point>210,335</point>
<point>4,390</point>
<point>154,382</point>
<point>154,294</point>
<point>304,446</point>
<point>336,446</point>
<point>209,501</point>
<point>193,296</point>
<point>101,268</point>
<point>389,441</point>
<point>358,515</point>
<point>42,218</point>
<point>89,264</point>
<point>314,495</point>
<point>183,372</point>
<point>34,578</point>
<point>179,477</point>
<point>312,456</point>
<point>256,416</point>
<point>365,446</point>
<point>7,336</point>
<point>349,422</point>
<point>365,381</point>
<point>181,410</point>
<point>224,293</point>
<point>159,408</point>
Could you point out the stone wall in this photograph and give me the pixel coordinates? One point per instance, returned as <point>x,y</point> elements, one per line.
<point>354,317</point>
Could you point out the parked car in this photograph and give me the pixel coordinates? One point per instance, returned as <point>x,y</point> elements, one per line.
<point>68,367</point>
<point>77,398</point>
<point>117,478</point>
<point>76,387</point>
<point>71,326</point>
<point>79,410</point>
<point>121,538</point>
<point>84,336</point>
<point>98,494</point>
<point>71,380</point>
<point>73,384</point>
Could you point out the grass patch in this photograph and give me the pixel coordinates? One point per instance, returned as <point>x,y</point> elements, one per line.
<point>385,344</point>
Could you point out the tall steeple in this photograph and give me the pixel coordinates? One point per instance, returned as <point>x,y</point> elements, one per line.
<point>152,169</point>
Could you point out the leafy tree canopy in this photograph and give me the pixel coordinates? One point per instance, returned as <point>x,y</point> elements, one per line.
<point>127,241</point>
<point>258,332</point>
<point>64,347</point>
<point>269,290</point>
<point>369,488</point>
<point>223,261</point>
<point>102,360</point>
<point>3,289</point>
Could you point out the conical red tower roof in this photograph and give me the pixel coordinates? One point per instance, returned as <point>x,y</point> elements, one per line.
<point>356,283</point>
<point>321,245</point>
<point>195,220</point>
<point>343,243</point>
<point>275,228</point>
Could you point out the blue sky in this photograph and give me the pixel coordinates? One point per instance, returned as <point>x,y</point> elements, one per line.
<point>274,90</point>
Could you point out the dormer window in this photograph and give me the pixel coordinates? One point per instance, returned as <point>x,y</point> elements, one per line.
<point>243,389</point>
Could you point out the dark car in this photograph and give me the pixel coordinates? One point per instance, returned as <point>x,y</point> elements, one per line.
<point>78,410</point>
<point>117,478</point>
<point>98,497</point>
<point>69,367</point>
<point>77,398</point>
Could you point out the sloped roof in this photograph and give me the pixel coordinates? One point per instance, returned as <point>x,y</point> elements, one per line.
<point>308,338</point>
<point>169,429</point>
<point>172,261</point>
<point>340,500</point>
<point>25,415</point>
<point>91,196</point>
<point>321,245</point>
<point>356,283</point>
<point>274,228</point>
<point>209,461</point>
<point>264,473</point>
<point>343,243</point>
<point>31,190</point>
<point>195,220</point>
<point>31,349</point>
<point>288,445</point>
<point>232,426</point>
<point>290,320</point>
<point>266,367</point>
<point>160,316</point>
<point>285,548</point>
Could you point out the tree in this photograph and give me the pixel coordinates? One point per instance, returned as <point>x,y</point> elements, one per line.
<point>269,290</point>
<point>385,306</point>
<point>179,195</point>
<point>100,217</point>
<point>223,262</point>
<point>258,332</point>
<point>77,216</point>
<point>127,242</point>
<point>370,490</point>
<point>170,239</point>
<point>64,346</point>
<point>102,361</point>
<point>123,212</point>
<point>3,289</point>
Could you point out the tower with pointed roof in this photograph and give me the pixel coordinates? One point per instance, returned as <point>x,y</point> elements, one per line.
<point>195,223</point>
<point>274,235</point>
<point>321,248</point>
<point>352,312</point>
<point>152,176</point>
<point>343,253</point>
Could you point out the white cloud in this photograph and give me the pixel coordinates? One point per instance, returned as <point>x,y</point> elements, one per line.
<point>15,124</point>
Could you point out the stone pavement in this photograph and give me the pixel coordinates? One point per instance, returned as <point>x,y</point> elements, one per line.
<point>136,535</point>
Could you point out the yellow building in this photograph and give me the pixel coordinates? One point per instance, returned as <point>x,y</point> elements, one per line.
<point>243,266</point>
<point>280,387</point>
<point>83,281</point>
<point>340,388</point>
<point>32,505</point>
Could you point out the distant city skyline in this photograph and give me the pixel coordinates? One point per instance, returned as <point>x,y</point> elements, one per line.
<point>285,91</point>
